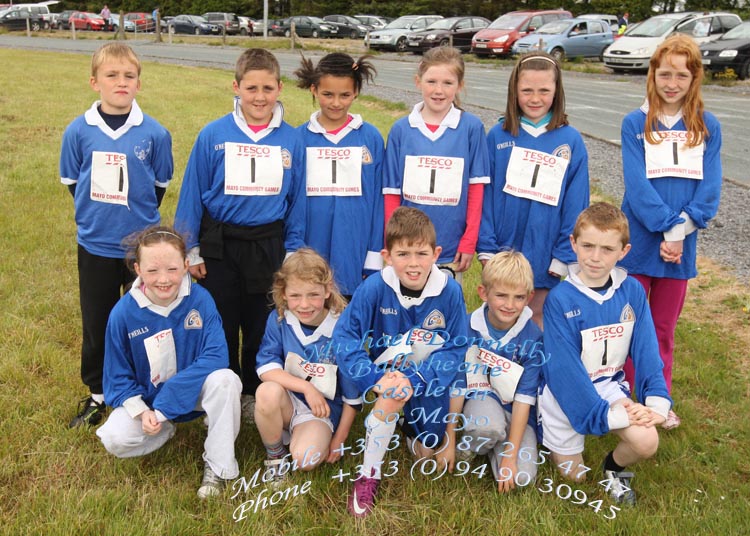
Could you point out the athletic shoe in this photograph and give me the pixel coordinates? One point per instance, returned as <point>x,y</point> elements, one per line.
<point>278,478</point>
<point>90,413</point>
<point>247,404</point>
<point>212,484</point>
<point>362,499</point>
<point>618,487</point>
<point>673,421</point>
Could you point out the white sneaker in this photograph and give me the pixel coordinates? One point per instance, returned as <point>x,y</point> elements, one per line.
<point>247,403</point>
<point>212,485</point>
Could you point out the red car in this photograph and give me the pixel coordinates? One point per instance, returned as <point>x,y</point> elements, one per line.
<point>142,22</point>
<point>87,21</point>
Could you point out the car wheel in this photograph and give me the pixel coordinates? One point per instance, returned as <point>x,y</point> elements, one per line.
<point>287,33</point>
<point>315,34</point>
<point>401,44</point>
<point>444,42</point>
<point>744,72</point>
<point>243,32</point>
<point>197,31</point>
<point>558,54</point>
<point>46,26</point>
<point>353,34</point>
<point>88,27</point>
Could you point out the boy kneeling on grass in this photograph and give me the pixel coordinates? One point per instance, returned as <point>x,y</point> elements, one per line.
<point>593,321</point>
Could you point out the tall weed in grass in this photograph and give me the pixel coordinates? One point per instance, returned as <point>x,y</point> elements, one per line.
<point>59,481</point>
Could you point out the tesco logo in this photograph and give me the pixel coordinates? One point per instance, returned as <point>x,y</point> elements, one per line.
<point>313,369</point>
<point>608,332</point>
<point>253,150</point>
<point>332,152</point>
<point>675,135</point>
<point>435,162</point>
<point>543,159</point>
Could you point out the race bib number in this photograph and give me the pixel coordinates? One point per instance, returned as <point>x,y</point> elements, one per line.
<point>109,178</point>
<point>252,169</point>
<point>433,180</point>
<point>672,157</point>
<point>503,373</point>
<point>605,348</point>
<point>321,375</point>
<point>535,175</point>
<point>334,171</point>
<point>162,357</point>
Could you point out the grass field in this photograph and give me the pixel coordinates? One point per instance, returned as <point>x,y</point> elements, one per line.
<point>59,481</point>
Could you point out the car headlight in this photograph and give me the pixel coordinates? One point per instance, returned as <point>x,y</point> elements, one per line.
<point>727,53</point>
<point>325,27</point>
<point>362,28</point>
<point>643,51</point>
<point>501,39</point>
<point>430,37</point>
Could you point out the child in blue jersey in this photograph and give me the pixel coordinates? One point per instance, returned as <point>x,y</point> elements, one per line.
<point>504,339</point>
<point>303,396</point>
<point>540,177</point>
<point>395,340</point>
<point>672,168</point>
<point>594,320</point>
<point>116,162</point>
<point>242,206</point>
<point>343,178</point>
<point>166,361</point>
<point>436,160</point>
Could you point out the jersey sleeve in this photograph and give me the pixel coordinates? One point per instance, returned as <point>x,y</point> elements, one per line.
<point>487,241</point>
<point>294,224</point>
<point>162,161</point>
<point>271,353</point>
<point>705,203</point>
<point>71,158</point>
<point>373,260</point>
<point>119,377</point>
<point>195,182</point>
<point>392,165</point>
<point>528,384</point>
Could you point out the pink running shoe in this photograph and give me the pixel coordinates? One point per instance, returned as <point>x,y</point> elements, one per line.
<point>362,499</point>
<point>673,421</point>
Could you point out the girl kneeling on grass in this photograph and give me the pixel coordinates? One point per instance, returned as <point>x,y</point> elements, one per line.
<point>303,401</point>
<point>166,360</point>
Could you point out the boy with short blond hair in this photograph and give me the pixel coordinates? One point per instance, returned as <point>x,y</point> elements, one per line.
<point>418,311</point>
<point>594,320</point>
<point>504,359</point>
<point>116,161</point>
<point>242,206</point>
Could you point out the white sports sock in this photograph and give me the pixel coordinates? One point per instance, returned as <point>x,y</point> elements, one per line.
<point>375,450</point>
<point>97,398</point>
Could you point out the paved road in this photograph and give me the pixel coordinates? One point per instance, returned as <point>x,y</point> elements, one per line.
<point>595,104</point>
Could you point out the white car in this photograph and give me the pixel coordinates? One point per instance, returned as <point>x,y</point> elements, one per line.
<point>393,36</point>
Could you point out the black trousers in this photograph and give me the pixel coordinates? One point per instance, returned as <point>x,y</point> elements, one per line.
<point>101,282</point>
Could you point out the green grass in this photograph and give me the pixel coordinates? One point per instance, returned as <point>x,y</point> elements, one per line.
<point>57,481</point>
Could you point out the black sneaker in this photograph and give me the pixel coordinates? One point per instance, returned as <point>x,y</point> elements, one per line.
<point>618,487</point>
<point>90,413</point>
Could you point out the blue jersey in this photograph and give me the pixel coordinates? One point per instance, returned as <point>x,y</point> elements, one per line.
<point>521,345</point>
<point>244,178</point>
<point>589,335</point>
<point>115,173</point>
<point>540,183</point>
<point>344,187</point>
<point>432,170</point>
<point>670,191</point>
<point>380,312</point>
<point>288,335</point>
<point>161,356</point>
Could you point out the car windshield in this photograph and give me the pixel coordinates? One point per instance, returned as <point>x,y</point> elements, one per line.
<point>400,23</point>
<point>317,20</point>
<point>441,24</point>
<point>738,32</point>
<point>352,20</point>
<point>200,20</point>
<point>554,28</point>
<point>653,27</point>
<point>507,22</point>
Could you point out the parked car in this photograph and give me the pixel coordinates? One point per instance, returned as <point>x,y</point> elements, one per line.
<point>348,26</point>
<point>246,25</point>
<point>228,21</point>
<point>393,36</point>
<point>305,26</point>
<point>730,51</point>
<point>633,50</point>
<point>164,23</point>
<point>457,31</point>
<point>375,22</point>
<point>15,19</point>
<point>61,21</point>
<point>82,20</point>
<point>569,38</point>
<point>611,20</point>
<point>499,36</point>
<point>138,22</point>
<point>192,24</point>
<point>41,9</point>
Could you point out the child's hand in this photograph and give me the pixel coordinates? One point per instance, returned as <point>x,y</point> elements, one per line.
<point>151,426</point>
<point>317,402</point>
<point>671,251</point>
<point>463,261</point>
<point>507,472</point>
<point>334,449</point>
<point>396,385</point>
<point>198,271</point>
<point>447,455</point>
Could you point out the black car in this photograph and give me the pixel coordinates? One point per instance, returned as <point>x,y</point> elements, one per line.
<point>348,26</point>
<point>730,51</point>
<point>455,31</point>
<point>307,27</point>
<point>192,24</point>
<point>62,21</point>
<point>16,19</point>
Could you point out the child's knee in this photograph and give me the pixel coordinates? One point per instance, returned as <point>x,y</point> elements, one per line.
<point>268,397</point>
<point>224,381</point>
<point>646,444</point>
<point>310,457</point>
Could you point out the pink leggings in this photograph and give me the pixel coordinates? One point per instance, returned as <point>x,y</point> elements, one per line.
<point>665,297</point>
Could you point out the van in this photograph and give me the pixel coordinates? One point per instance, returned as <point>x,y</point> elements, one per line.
<point>228,21</point>
<point>41,9</point>
<point>499,36</point>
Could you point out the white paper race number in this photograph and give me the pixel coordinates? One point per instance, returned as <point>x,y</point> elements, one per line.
<point>334,171</point>
<point>535,175</point>
<point>605,348</point>
<point>252,169</point>
<point>672,157</point>
<point>109,178</point>
<point>433,180</point>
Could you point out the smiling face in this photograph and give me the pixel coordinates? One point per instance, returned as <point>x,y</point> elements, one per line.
<point>536,93</point>
<point>504,303</point>
<point>597,252</point>
<point>117,83</point>
<point>335,95</point>
<point>306,301</point>
<point>258,91</point>
<point>672,81</point>
<point>162,268</point>
<point>412,263</point>
<point>439,85</point>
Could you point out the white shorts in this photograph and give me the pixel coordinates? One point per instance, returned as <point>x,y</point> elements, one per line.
<point>302,414</point>
<point>559,436</point>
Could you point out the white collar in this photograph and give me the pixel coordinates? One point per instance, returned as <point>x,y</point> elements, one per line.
<point>617,274</point>
<point>276,119</point>
<point>436,282</point>
<point>315,126</point>
<point>534,131</point>
<point>325,329</point>
<point>143,302</point>
<point>451,120</point>
<point>94,118</point>
<point>668,121</point>
<point>478,323</point>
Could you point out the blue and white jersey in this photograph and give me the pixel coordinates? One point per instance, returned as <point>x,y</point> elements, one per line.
<point>671,190</point>
<point>589,335</point>
<point>159,357</point>
<point>344,184</point>
<point>432,171</point>
<point>115,173</point>
<point>540,183</point>
<point>245,178</point>
<point>286,336</point>
<point>380,312</point>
